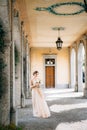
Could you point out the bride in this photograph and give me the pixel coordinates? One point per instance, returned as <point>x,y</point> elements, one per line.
<point>40,107</point>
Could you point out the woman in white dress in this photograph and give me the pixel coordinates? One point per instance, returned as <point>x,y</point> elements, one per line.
<point>40,107</point>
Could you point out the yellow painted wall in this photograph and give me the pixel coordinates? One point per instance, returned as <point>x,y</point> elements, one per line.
<point>62,63</point>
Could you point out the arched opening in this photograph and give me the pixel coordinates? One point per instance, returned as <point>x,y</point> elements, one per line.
<point>73,68</point>
<point>81,67</point>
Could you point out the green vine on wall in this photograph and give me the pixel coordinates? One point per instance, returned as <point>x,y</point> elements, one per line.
<point>2,34</point>
<point>10,127</point>
<point>2,63</point>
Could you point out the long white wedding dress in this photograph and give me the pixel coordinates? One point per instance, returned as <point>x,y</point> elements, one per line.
<point>40,107</point>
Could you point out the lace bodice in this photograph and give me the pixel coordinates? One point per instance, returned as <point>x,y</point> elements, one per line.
<point>36,80</point>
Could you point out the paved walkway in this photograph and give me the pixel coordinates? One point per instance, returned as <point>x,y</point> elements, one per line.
<point>68,112</point>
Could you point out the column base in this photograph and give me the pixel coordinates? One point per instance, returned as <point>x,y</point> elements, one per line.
<point>13,116</point>
<point>27,94</point>
<point>22,102</point>
<point>76,88</point>
<point>85,92</point>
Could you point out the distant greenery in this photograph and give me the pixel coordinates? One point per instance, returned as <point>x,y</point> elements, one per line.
<point>10,127</point>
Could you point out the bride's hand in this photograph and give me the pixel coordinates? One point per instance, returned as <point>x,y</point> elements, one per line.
<point>37,84</point>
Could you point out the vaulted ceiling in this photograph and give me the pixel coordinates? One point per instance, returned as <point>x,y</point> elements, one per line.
<point>41,23</point>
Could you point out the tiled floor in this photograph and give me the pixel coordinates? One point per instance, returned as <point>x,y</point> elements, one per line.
<point>68,112</point>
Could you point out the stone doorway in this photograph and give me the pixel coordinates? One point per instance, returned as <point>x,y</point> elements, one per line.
<point>50,71</point>
<point>50,76</point>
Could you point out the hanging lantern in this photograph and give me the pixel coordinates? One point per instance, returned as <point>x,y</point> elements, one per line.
<point>59,42</point>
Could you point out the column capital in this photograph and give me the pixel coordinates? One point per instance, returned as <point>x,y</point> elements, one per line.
<point>85,36</point>
<point>26,36</point>
<point>13,1</point>
<point>22,23</point>
<point>16,13</point>
<point>22,26</point>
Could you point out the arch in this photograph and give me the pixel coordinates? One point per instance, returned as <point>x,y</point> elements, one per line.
<point>73,68</point>
<point>81,67</point>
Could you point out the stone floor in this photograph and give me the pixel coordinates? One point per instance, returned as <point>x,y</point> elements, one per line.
<point>68,112</point>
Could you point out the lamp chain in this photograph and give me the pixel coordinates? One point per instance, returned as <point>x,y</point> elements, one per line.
<point>58,32</point>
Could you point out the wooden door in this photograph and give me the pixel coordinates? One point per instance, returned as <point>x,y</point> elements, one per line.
<point>50,76</point>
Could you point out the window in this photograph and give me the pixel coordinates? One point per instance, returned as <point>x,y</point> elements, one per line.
<point>49,61</point>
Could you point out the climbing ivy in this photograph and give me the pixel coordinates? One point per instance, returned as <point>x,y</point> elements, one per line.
<point>10,127</point>
<point>2,63</point>
<point>2,34</point>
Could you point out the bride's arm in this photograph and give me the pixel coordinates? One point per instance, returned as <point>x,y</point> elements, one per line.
<point>34,85</point>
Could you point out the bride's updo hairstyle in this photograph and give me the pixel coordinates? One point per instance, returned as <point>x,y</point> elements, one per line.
<point>35,72</point>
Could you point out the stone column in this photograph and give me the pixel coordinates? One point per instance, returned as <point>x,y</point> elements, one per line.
<point>13,110</point>
<point>5,99</point>
<point>69,67</point>
<point>76,85</point>
<point>17,41</point>
<point>85,89</point>
<point>27,68</point>
<point>22,68</point>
